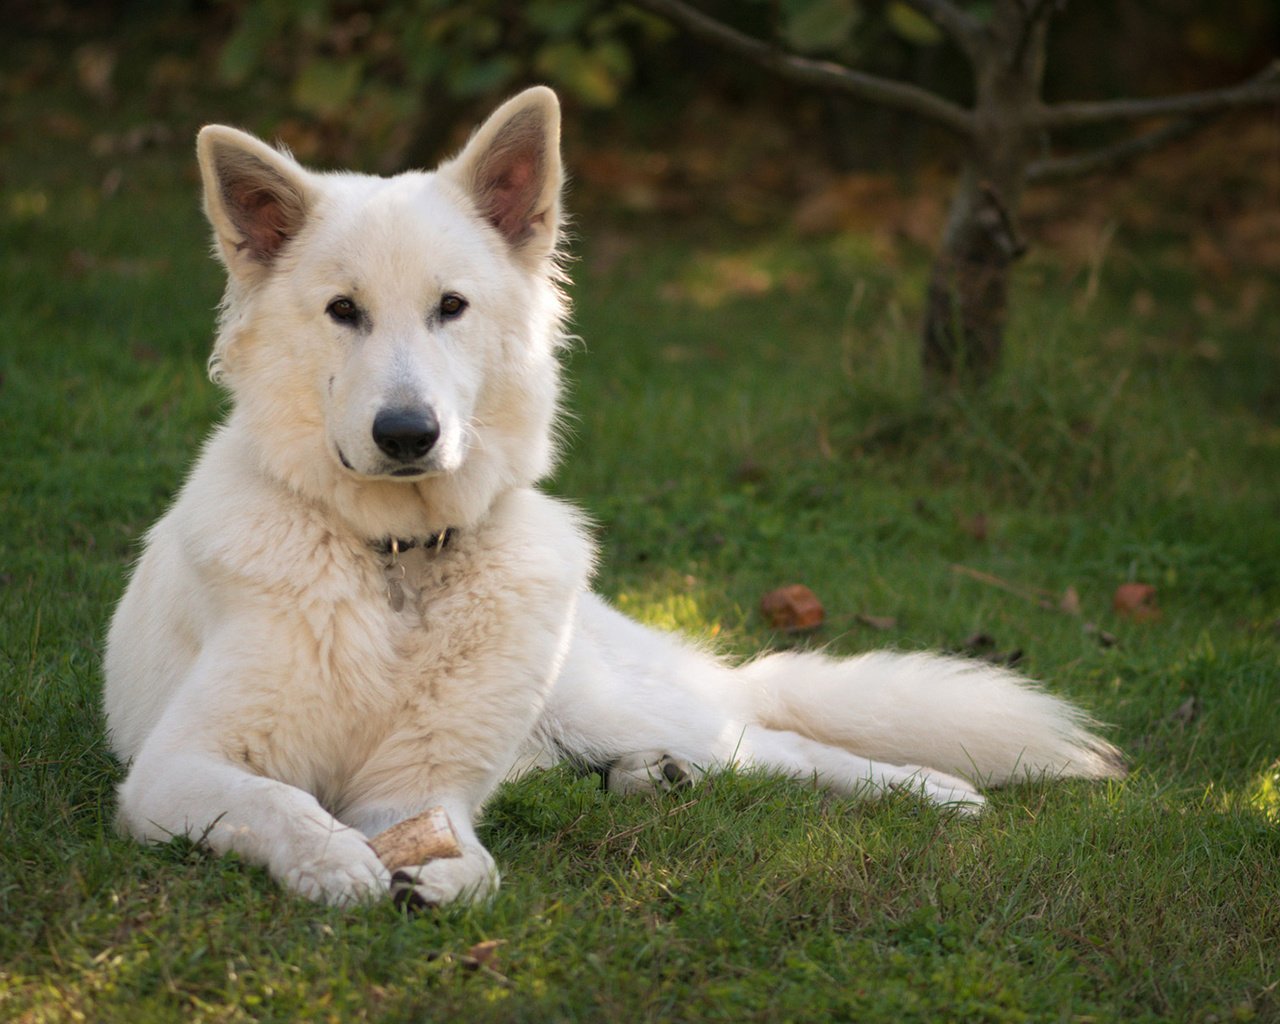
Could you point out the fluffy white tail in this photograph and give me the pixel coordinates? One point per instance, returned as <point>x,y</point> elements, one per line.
<point>968,718</point>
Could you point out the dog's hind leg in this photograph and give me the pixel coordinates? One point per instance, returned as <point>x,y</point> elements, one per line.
<point>796,757</point>
<point>800,758</point>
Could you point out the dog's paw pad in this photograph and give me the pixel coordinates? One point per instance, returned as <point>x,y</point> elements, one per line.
<point>677,774</point>
<point>648,772</point>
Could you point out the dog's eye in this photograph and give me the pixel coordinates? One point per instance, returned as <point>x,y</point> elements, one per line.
<point>343,311</point>
<point>452,306</point>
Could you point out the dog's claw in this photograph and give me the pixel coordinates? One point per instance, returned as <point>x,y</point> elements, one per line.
<point>405,895</point>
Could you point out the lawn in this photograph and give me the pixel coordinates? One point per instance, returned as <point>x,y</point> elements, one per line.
<point>744,412</point>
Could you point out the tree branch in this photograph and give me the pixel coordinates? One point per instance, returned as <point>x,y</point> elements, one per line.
<point>1034,12</point>
<point>901,96</point>
<point>1116,155</point>
<point>1260,90</point>
<point>964,29</point>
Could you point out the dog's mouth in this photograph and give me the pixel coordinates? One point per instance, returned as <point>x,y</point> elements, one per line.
<point>398,473</point>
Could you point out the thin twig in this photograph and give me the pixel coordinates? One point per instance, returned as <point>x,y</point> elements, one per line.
<point>1042,598</point>
<point>887,92</point>
<point>1107,158</point>
<point>1034,11</point>
<point>1260,90</point>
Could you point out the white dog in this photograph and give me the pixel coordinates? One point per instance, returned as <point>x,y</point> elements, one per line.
<point>360,606</point>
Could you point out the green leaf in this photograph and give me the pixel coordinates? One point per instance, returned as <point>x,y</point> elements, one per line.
<point>911,25</point>
<point>558,19</point>
<point>326,87</point>
<point>594,75</point>
<point>820,25</point>
<point>243,50</point>
<point>479,77</point>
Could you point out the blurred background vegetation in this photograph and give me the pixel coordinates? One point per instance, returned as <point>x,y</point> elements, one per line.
<point>745,414</point>
<point>386,85</point>
<point>660,126</point>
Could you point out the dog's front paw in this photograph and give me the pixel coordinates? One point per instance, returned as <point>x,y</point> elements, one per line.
<point>651,771</point>
<point>342,871</point>
<point>472,877</point>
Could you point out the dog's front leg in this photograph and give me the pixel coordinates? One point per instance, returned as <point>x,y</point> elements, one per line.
<point>471,876</point>
<point>171,792</point>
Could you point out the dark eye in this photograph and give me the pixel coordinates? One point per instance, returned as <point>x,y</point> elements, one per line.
<point>452,306</point>
<point>343,310</point>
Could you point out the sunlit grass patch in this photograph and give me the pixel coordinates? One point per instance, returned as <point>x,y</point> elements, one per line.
<point>1263,794</point>
<point>678,610</point>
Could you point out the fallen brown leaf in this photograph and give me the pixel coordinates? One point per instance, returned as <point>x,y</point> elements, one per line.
<point>1136,601</point>
<point>793,608</point>
<point>482,954</point>
<point>982,647</point>
<point>1104,638</point>
<point>1070,603</point>
<point>1188,711</point>
<point>976,526</point>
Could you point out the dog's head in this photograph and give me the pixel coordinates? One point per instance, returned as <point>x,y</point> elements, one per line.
<point>391,337</point>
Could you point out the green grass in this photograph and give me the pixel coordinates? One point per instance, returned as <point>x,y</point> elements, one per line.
<point>725,443</point>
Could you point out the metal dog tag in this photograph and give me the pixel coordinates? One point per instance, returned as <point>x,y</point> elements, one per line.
<point>395,573</point>
<point>395,590</point>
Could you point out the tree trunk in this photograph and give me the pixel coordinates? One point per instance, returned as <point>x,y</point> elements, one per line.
<point>969,285</point>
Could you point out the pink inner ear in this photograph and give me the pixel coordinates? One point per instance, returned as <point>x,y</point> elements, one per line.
<point>260,214</point>
<point>264,206</point>
<point>509,180</point>
<point>511,199</point>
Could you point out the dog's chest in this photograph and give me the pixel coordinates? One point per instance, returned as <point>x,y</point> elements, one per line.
<point>391,653</point>
<point>428,662</point>
<point>389,640</point>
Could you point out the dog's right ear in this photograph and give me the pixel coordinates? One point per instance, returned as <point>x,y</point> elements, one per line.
<point>256,198</point>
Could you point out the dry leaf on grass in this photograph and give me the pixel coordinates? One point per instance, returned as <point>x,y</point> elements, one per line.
<point>794,608</point>
<point>983,647</point>
<point>482,954</point>
<point>1136,601</point>
<point>1187,712</point>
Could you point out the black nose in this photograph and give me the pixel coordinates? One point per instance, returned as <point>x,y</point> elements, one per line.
<point>405,434</point>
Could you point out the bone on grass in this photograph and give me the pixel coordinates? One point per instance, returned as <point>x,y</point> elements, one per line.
<point>424,837</point>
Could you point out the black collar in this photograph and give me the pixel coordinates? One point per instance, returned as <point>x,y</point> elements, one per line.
<point>389,547</point>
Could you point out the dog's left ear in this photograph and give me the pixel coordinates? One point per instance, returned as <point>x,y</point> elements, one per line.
<point>511,170</point>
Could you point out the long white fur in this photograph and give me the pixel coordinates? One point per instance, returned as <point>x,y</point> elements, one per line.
<point>269,697</point>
